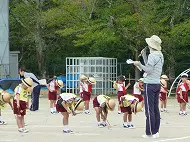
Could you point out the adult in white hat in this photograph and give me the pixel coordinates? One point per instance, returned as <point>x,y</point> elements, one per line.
<point>153,69</point>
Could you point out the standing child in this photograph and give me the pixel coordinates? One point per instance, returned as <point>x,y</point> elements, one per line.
<point>86,91</point>
<point>52,92</point>
<point>102,104</point>
<point>128,105</point>
<point>163,93</point>
<point>4,99</point>
<point>138,89</point>
<point>121,89</point>
<point>66,104</point>
<point>20,102</point>
<point>181,92</point>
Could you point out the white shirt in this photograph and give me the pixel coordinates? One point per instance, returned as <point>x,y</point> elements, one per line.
<point>136,90</point>
<point>52,86</point>
<point>182,87</point>
<point>83,87</point>
<point>102,99</point>
<point>130,98</point>
<point>120,86</point>
<point>68,97</point>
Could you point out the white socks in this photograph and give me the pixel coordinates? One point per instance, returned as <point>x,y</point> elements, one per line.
<point>65,127</point>
<point>127,123</point>
<point>53,109</point>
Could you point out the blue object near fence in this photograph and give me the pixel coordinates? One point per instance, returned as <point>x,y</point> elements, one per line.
<point>71,80</point>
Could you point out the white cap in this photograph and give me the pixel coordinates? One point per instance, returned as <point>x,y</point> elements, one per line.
<point>184,74</point>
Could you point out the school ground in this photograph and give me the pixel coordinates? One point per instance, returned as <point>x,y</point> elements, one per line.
<point>46,127</point>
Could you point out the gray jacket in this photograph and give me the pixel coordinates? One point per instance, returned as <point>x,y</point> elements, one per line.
<point>153,67</point>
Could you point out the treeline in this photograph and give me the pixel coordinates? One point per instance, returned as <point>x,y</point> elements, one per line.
<point>48,31</point>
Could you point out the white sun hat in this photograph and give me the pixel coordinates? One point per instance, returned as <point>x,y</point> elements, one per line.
<point>154,42</point>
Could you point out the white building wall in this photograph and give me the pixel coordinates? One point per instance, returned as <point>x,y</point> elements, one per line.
<point>4,38</point>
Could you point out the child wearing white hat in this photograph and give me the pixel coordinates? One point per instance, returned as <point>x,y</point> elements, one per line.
<point>66,104</point>
<point>102,104</point>
<point>128,105</point>
<point>181,93</point>
<point>138,89</point>
<point>163,93</point>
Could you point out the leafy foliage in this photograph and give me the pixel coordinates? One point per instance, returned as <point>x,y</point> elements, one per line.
<point>56,29</point>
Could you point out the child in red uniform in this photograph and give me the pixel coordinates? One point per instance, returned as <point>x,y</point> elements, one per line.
<point>4,99</point>
<point>86,91</point>
<point>52,93</point>
<point>20,102</point>
<point>128,105</point>
<point>163,93</point>
<point>181,92</point>
<point>121,89</point>
<point>102,104</point>
<point>66,104</point>
<point>138,89</point>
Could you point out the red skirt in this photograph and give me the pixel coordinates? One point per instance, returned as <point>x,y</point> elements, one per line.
<point>119,94</point>
<point>185,97</point>
<point>140,97</point>
<point>95,103</point>
<point>85,96</point>
<point>21,110</point>
<point>163,96</point>
<point>60,108</point>
<point>52,96</point>
<point>126,109</point>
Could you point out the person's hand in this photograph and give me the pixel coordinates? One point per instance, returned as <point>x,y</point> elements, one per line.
<point>18,105</point>
<point>136,63</point>
<point>74,113</point>
<point>27,106</point>
<point>181,97</point>
<point>129,84</point>
<point>160,95</point>
<point>69,111</point>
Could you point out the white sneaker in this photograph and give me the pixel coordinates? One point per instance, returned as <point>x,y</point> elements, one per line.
<point>86,112</point>
<point>131,126</point>
<point>67,131</point>
<point>119,112</point>
<point>146,136</point>
<point>23,130</point>
<point>3,122</point>
<point>161,110</point>
<point>155,136</point>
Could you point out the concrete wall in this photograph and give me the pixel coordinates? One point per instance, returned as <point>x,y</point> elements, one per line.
<point>4,38</point>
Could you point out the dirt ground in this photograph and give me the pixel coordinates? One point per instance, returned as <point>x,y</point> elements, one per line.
<point>47,127</point>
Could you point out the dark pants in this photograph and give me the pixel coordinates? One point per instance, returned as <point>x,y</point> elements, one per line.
<point>35,98</point>
<point>151,102</point>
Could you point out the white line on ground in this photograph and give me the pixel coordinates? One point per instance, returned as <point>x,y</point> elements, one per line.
<point>90,126</point>
<point>7,140</point>
<point>51,133</point>
<point>174,139</point>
